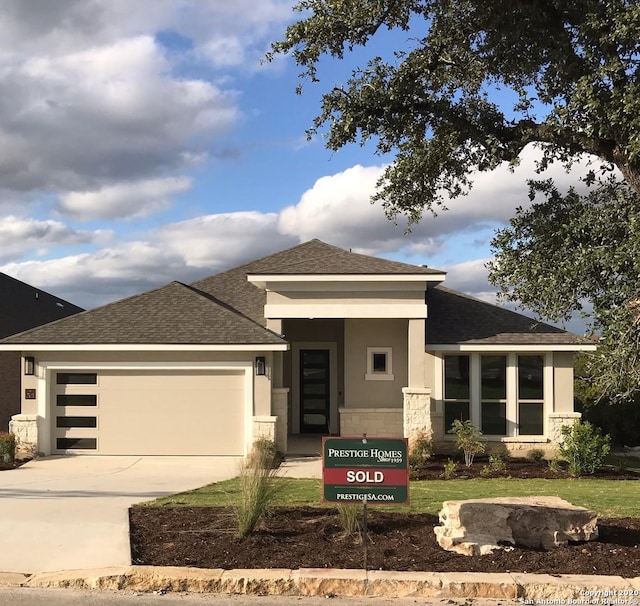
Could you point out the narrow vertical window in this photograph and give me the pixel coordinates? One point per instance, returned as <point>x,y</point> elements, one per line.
<point>456,390</point>
<point>530,395</point>
<point>493,401</point>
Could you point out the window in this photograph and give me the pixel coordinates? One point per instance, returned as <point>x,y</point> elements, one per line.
<point>530,395</point>
<point>379,364</point>
<point>456,390</point>
<point>493,392</point>
<point>76,378</point>
<point>76,400</point>
<point>76,422</point>
<point>502,394</point>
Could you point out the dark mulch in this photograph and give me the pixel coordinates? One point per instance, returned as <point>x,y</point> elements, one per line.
<point>310,537</point>
<point>5,466</point>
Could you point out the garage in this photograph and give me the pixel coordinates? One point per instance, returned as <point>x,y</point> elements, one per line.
<point>149,412</point>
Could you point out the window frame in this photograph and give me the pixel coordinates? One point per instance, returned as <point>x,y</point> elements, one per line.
<point>512,396</point>
<point>373,375</point>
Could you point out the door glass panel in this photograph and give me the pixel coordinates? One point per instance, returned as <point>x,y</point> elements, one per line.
<point>314,390</point>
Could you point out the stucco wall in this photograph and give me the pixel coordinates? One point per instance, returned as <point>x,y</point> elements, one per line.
<point>563,381</point>
<point>360,334</point>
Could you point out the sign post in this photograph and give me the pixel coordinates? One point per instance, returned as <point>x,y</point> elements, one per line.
<point>365,470</point>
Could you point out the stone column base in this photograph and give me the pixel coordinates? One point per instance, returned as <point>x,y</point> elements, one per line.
<point>280,409</point>
<point>25,429</point>
<point>417,416</point>
<point>557,420</point>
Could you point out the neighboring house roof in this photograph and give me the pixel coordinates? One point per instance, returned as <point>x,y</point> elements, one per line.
<point>456,318</point>
<point>172,314</point>
<point>23,306</point>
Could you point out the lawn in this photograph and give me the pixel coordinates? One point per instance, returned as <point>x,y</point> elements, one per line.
<point>609,498</point>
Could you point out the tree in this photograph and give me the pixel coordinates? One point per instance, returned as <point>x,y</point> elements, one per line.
<point>571,67</point>
<point>573,250</point>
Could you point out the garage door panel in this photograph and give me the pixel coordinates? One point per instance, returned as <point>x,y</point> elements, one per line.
<point>164,412</point>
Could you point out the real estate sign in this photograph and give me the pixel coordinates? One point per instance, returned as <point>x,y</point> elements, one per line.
<point>375,470</point>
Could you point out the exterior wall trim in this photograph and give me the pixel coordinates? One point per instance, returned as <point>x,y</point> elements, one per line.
<point>141,347</point>
<point>508,348</point>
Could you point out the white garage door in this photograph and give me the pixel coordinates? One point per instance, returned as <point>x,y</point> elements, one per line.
<point>149,412</point>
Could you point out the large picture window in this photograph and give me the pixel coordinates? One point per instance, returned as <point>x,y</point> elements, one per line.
<point>502,394</point>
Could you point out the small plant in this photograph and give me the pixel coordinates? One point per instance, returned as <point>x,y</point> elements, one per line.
<point>263,454</point>
<point>496,465</point>
<point>468,439</point>
<point>554,465</point>
<point>258,487</point>
<point>622,464</point>
<point>584,447</point>
<point>420,451</point>
<point>349,519</point>
<point>7,447</point>
<point>450,468</point>
<point>536,455</point>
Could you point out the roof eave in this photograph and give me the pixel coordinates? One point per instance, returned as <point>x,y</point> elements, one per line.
<point>511,347</point>
<point>143,347</point>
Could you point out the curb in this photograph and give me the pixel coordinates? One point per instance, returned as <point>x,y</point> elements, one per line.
<point>528,588</point>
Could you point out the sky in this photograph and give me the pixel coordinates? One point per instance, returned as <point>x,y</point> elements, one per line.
<point>143,142</point>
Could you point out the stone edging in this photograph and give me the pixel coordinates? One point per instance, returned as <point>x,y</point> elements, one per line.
<point>582,589</point>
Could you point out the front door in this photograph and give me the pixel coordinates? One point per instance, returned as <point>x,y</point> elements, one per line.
<point>314,390</point>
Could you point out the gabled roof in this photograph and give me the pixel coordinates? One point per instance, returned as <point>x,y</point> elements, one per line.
<point>456,318</point>
<point>172,314</point>
<point>319,258</point>
<point>313,257</point>
<point>22,306</point>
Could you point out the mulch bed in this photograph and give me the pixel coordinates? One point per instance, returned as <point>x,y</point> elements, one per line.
<point>311,537</point>
<point>5,466</point>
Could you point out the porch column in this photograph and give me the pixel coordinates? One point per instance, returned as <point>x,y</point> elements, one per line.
<point>416,353</point>
<point>25,429</point>
<point>277,376</point>
<point>280,410</point>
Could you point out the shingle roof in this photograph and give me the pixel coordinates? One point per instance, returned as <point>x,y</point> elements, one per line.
<point>172,314</point>
<point>22,306</point>
<point>317,257</point>
<point>313,257</point>
<point>456,318</point>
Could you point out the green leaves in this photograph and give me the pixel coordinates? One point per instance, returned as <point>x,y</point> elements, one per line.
<point>573,66</point>
<point>572,253</point>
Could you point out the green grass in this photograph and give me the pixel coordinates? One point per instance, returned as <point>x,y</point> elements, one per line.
<point>609,498</point>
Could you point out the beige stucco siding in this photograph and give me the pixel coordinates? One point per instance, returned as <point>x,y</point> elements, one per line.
<point>361,334</point>
<point>145,412</point>
<point>563,382</point>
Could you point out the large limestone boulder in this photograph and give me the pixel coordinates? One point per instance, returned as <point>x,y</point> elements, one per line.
<point>480,526</point>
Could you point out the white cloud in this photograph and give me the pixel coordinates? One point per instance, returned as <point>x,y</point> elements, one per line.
<point>471,277</point>
<point>124,200</point>
<point>337,208</point>
<point>18,235</point>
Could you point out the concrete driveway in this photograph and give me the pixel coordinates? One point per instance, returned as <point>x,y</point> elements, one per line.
<point>64,513</point>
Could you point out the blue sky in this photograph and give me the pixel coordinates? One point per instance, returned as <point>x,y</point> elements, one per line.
<point>145,142</point>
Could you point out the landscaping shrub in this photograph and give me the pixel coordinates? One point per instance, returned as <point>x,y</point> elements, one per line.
<point>450,468</point>
<point>350,519</point>
<point>420,451</point>
<point>496,465</point>
<point>7,447</point>
<point>258,487</point>
<point>468,439</point>
<point>536,455</point>
<point>584,447</point>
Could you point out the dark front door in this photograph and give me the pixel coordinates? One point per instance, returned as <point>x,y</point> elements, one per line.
<point>314,390</point>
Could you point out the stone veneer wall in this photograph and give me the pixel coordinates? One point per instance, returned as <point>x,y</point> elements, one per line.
<point>420,417</point>
<point>25,429</point>
<point>375,422</point>
<point>264,427</point>
<point>556,421</point>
